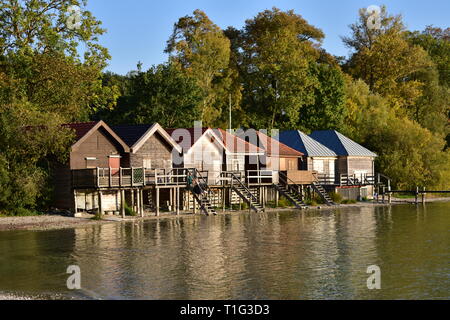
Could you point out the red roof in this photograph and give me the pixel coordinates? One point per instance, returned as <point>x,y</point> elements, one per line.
<point>80,128</point>
<point>275,147</point>
<point>193,135</point>
<point>235,144</point>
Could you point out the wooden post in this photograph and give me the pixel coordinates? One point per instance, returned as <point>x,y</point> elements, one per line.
<point>417,195</point>
<point>276,198</point>
<point>75,201</point>
<point>100,208</point>
<point>384,191</point>
<point>178,201</point>
<point>389,195</point>
<point>132,201</point>
<point>171,199</point>
<point>423,195</point>
<point>194,203</point>
<point>142,202</point>
<point>223,198</point>
<point>157,201</point>
<point>122,203</point>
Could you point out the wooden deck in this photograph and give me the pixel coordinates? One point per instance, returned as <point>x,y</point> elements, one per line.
<point>99,178</point>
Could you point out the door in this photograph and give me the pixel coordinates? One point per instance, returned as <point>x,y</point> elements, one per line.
<point>114,165</point>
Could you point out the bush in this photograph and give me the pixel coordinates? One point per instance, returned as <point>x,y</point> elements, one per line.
<point>336,197</point>
<point>348,201</point>
<point>129,211</point>
<point>283,202</point>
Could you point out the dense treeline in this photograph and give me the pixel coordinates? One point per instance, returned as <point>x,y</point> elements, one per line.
<point>391,94</point>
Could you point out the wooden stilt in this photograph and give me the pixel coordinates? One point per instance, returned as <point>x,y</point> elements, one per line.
<point>122,203</point>
<point>142,203</point>
<point>423,195</point>
<point>157,201</point>
<point>171,199</point>
<point>132,201</point>
<point>100,207</point>
<point>75,201</point>
<point>178,201</point>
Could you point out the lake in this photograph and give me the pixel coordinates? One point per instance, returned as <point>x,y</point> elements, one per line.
<point>275,255</point>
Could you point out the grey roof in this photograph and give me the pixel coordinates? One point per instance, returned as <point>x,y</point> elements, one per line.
<point>341,144</point>
<point>305,144</point>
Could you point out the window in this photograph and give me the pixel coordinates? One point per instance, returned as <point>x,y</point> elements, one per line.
<point>318,166</point>
<point>91,162</point>
<point>147,163</point>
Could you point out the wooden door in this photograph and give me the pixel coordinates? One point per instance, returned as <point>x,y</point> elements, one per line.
<point>114,164</point>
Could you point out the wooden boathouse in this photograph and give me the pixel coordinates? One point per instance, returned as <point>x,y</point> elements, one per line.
<point>147,167</point>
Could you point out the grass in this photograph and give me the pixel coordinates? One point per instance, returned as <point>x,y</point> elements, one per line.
<point>348,201</point>
<point>129,211</point>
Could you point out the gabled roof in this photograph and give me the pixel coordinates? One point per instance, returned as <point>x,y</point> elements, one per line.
<point>235,144</point>
<point>84,129</point>
<point>136,135</point>
<point>274,147</point>
<point>188,137</point>
<point>342,145</point>
<point>305,144</point>
<point>80,128</point>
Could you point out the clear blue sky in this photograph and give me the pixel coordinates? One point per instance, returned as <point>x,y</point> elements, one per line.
<point>138,29</point>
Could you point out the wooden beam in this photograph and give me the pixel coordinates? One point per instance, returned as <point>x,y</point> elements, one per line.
<point>122,203</point>
<point>157,201</point>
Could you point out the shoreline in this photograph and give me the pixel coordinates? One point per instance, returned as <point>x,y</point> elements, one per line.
<point>55,222</point>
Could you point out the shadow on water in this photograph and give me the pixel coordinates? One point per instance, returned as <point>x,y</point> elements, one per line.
<point>289,255</point>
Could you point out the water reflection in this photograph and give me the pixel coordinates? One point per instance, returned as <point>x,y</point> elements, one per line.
<point>294,255</point>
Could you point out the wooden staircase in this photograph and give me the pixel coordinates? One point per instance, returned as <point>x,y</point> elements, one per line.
<point>203,199</point>
<point>290,194</point>
<point>246,195</point>
<point>204,203</point>
<point>322,193</point>
<point>289,189</point>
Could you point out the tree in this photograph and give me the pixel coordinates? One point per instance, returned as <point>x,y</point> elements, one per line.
<point>200,48</point>
<point>328,109</point>
<point>39,56</point>
<point>276,50</point>
<point>163,94</point>
<point>385,60</point>
<point>409,154</point>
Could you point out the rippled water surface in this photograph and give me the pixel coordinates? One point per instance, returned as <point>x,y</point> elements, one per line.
<point>289,255</point>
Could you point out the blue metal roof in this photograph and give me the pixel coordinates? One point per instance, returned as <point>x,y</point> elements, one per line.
<point>342,145</point>
<point>305,144</point>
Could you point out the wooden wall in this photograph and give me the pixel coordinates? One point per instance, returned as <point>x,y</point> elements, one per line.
<point>206,155</point>
<point>98,145</point>
<point>359,164</point>
<point>157,149</point>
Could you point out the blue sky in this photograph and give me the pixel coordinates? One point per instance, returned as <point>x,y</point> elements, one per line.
<point>138,29</point>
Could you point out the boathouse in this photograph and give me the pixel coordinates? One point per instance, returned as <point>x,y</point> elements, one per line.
<point>316,156</point>
<point>355,164</point>
<point>95,146</point>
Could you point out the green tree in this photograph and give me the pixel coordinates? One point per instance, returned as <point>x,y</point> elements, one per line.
<point>328,109</point>
<point>276,49</point>
<point>409,154</point>
<point>200,48</point>
<point>163,94</point>
<point>385,60</point>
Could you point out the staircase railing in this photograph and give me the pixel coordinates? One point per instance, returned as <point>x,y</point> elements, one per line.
<point>234,178</point>
<point>290,184</point>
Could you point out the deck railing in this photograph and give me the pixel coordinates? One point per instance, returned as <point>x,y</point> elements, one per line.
<point>132,177</point>
<point>362,179</point>
<point>259,177</point>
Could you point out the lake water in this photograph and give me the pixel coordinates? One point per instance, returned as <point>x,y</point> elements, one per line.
<point>286,255</point>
